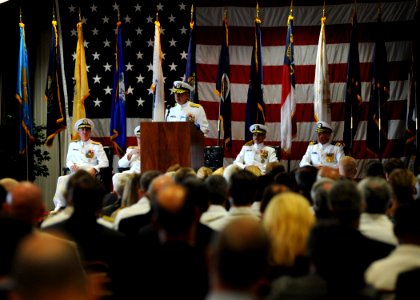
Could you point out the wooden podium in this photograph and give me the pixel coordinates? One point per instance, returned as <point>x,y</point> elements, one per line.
<point>164,144</point>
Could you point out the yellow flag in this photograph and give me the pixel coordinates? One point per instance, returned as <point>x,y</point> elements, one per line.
<point>81,87</point>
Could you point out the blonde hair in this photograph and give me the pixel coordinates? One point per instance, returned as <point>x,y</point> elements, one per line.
<point>204,172</point>
<point>254,170</point>
<point>131,190</point>
<point>288,220</point>
<point>219,171</point>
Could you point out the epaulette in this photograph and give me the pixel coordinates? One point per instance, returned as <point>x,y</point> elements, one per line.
<point>249,143</point>
<point>313,143</point>
<point>196,105</point>
<point>132,147</point>
<point>95,142</point>
<point>338,144</point>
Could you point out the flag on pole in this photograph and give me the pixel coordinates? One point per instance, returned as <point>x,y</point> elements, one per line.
<point>157,86</point>
<point>23,95</point>
<point>288,101</point>
<point>377,122</point>
<point>413,107</point>
<point>223,88</point>
<point>353,97</point>
<point>81,87</point>
<point>322,100</point>
<point>190,70</point>
<point>118,130</point>
<point>255,108</point>
<point>56,116</point>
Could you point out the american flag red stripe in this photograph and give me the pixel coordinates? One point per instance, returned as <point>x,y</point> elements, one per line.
<point>397,18</point>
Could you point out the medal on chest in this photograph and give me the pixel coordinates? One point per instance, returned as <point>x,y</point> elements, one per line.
<point>329,157</point>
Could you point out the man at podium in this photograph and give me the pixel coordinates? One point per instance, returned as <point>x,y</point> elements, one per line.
<point>186,110</point>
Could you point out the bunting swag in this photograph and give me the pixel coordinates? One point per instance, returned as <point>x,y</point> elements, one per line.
<point>377,122</point>
<point>353,89</point>
<point>288,102</point>
<point>223,89</point>
<point>255,102</point>
<point>23,94</point>
<point>81,85</point>
<point>118,130</point>
<point>157,85</point>
<point>56,117</point>
<point>190,73</point>
<point>322,100</point>
<point>397,16</point>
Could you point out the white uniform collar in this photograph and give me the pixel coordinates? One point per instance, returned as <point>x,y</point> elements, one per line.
<point>84,143</point>
<point>325,145</point>
<point>259,146</point>
<point>185,104</point>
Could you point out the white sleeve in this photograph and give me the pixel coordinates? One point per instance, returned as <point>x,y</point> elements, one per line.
<point>306,159</point>
<point>273,156</point>
<point>239,161</point>
<point>101,157</point>
<point>70,159</point>
<point>123,162</point>
<point>202,121</point>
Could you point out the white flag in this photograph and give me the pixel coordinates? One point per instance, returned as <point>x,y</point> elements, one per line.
<point>157,84</point>
<point>322,107</point>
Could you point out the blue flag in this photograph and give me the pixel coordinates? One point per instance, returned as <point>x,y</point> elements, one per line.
<point>118,130</point>
<point>377,123</point>
<point>56,117</point>
<point>190,70</point>
<point>255,110</point>
<point>353,89</point>
<point>223,88</point>
<point>23,94</point>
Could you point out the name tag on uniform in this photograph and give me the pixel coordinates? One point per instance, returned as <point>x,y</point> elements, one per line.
<point>314,152</point>
<point>172,116</point>
<point>329,157</point>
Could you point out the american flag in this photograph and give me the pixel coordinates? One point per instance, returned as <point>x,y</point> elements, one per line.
<point>138,28</point>
<point>397,17</point>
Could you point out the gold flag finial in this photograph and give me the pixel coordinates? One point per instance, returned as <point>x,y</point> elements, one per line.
<point>324,9</point>
<point>80,15</point>
<point>291,8</point>
<point>157,16</point>
<point>192,17</point>
<point>257,13</point>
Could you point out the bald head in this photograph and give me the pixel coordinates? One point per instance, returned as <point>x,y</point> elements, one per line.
<point>347,167</point>
<point>158,183</point>
<point>25,202</point>
<point>328,172</point>
<point>171,197</point>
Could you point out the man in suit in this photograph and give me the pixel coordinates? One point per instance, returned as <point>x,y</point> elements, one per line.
<point>82,154</point>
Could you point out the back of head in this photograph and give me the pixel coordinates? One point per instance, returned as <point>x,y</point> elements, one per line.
<point>347,167</point>
<point>175,211</point>
<point>8,183</point>
<point>242,242</point>
<point>242,188</point>
<point>47,267</point>
<point>119,181</point>
<point>328,172</point>
<point>392,164</point>
<point>345,202</point>
<point>217,187</point>
<point>25,202</point>
<point>87,195</point>
<point>319,195</point>
<point>305,178</point>
<point>204,172</point>
<point>147,177</point>
<point>376,193</point>
<point>268,194</point>
<point>288,219</point>
<point>375,169</point>
<point>229,171</point>
<point>254,170</point>
<point>183,173</point>
<point>158,183</point>
<point>403,184</point>
<point>407,223</point>
<point>198,193</point>
<point>130,194</point>
<point>273,168</point>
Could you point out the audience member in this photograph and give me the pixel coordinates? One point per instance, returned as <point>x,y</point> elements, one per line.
<point>319,195</point>
<point>305,178</point>
<point>268,194</point>
<point>218,193</point>
<point>347,167</point>
<point>113,200</point>
<point>374,223</point>
<point>273,168</point>
<point>183,173</point>
<point>229,171</point>
<point>375,169</point>
<point>243,242</point>
<point>242,190</point>
<point>383,274</point>
<point>403,183</point>
<point>288,220</point>
<point>204,172</point>
<point>392,164</point>
<point>328,172</point>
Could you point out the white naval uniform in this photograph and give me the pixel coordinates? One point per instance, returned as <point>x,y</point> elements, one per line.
<point>85,155</point>
<point>133,163</point>
<point>257,155</point>
<point>322,155</point>
<point>189,111</point>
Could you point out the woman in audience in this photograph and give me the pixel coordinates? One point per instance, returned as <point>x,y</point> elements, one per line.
<point>288,220</point>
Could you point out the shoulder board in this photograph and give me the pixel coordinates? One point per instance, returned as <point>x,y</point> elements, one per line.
<point>249,143</point>
<point>96,143</point>
<point>338,144</point>
<point>192,104</point>
<point>313,143</point>
<point>132,147</point>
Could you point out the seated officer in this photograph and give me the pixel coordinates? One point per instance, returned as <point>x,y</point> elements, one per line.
<point>185,110</point>
<point>323,153</point>
<point>254,152</point>
<point>82,154</point>
<point>131,159</point>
